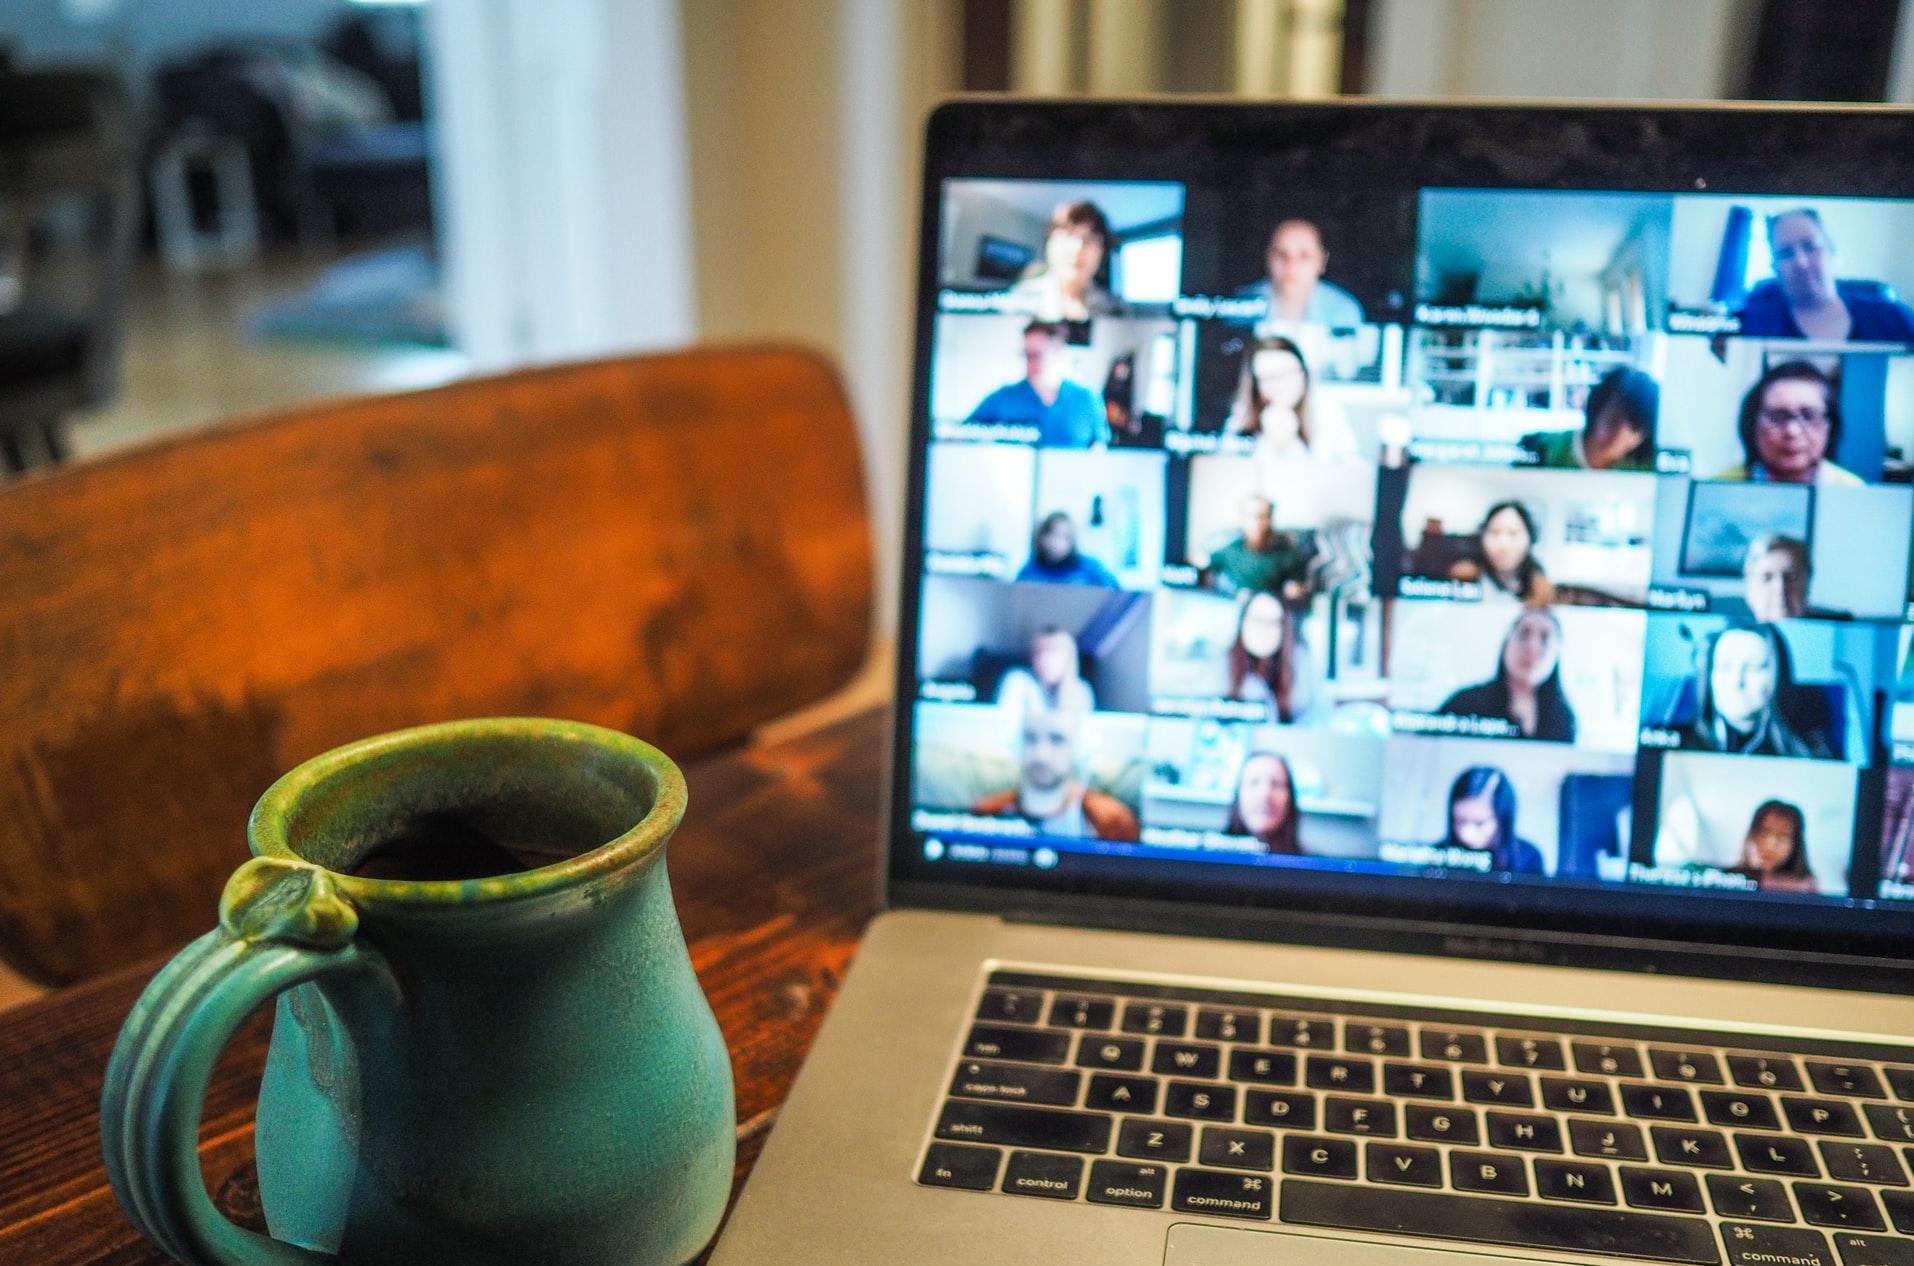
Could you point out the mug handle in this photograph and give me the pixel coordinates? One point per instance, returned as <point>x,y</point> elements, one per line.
<point>281,923</point>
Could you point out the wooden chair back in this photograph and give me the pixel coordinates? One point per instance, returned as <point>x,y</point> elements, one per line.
<point>677,546</point>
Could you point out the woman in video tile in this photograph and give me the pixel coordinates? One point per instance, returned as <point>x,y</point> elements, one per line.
<point>1065,287</point>
<point>1790,422</point>
<point>1054,678</point>
<point>1527,689</point>
<point>1805,300</point>
<point>1296,433</point>
<point>1775,852</point>
<point>1618,431</point>
<point>1268,661</point>
<point>1746,679</point>
<point>1482,820</point>
<point>1504,556</point>
<point>1055,559</point>
<point>1264,806</point>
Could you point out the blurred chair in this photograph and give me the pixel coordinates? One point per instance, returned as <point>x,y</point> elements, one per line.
<point>65,136</point>
<point>676,546</point>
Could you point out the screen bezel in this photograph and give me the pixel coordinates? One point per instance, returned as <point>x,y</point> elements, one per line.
<point>1855,150</point>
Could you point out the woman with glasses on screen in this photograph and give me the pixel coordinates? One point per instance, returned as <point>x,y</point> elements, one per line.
<point>1806,300</point>
<point>1526,690</point>
<point>1747,680</point>
<point>1264,806</point>
<point>1790,423</point>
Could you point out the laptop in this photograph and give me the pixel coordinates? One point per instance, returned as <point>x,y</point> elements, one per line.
<point>1405,748</point>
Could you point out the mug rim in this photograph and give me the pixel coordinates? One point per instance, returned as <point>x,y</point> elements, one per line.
<point>268,835</point>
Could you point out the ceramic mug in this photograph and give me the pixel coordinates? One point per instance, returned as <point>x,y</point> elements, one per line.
<point>501,1057</point>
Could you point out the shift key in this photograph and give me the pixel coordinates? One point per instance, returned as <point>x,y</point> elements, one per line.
<point>1016,1126</point>
<point>1020,1083</point>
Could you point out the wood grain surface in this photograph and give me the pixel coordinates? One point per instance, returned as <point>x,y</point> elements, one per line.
<point>675,546</point>
<point>775,873</point>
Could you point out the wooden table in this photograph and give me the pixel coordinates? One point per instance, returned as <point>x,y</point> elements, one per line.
<point>775,872</point>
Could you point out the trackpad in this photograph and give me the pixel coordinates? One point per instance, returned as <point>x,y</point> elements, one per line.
<point>1193,1245</point>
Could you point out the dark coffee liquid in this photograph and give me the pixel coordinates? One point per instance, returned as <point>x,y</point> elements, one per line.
<point>441,846</point>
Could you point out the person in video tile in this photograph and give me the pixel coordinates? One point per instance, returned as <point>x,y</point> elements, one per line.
<point>1504,556</point>
<point>1261,559</point>
<point>1482,819</point>
<point>1051,794</point>
<point>1805,300</point>
<point>1775,577</point>
<point>1264,806</point>
<point>1065,288</point>
<point>1054,678</point>
<point>1775,852</point>
<point>1055,559</point>
<point>1790,422</point>
<point>1527,688</point>
<point>1618,432</point>
<point>1294,287</point>
<point>1066,414</point>
<point>1269,663</point>
<point>1746,677</point>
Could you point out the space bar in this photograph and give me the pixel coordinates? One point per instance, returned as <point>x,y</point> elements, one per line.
<point>1509,1222</point>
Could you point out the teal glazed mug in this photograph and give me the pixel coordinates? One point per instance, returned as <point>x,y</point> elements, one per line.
<point>488,1044</point>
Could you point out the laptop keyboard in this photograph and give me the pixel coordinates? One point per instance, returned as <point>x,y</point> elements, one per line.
<point>1645,1143</point>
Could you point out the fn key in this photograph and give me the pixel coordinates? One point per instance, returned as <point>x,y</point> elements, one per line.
<point>960,1165</point>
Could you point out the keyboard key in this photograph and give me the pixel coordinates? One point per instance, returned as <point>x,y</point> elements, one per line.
<point>1072,1012</point>
<point>1524,1132</point>
<point>1862,1162</point>
<point>1820,1116</point>
<point>1353,1076</point>
<point>1214,1025</point>
<point>1359,1116</point>
<point>1223,1195</point>
<point>1428,1123</point>
<point>1504,1090</point>
<point>1287,1109</point>
<point>1124,1054</point>
<point>1660,1189</point>
<point>1455,1046</point>
<point>1855,1080</point>
<point>1418,1081</point>
<point>1873,1250</point>
<point>1044,1174</point>
<point>983,1079</point>
<point>1155,1140</point>
<point>1824,1204</point>
<point>1750,1245</point>
<point>1237,1149</point>
<point>1900,1207</point>
<point>1035,1046</point>
<point>1383,1039</point>
<point>1159,1019</point>
<point>1892,1122</point>
<point>1606,1059</point>
<point>1203,1101</point>
<point>1736,1197</point>
<point>1772,1154</point>
<point>1530,1052</point>
<point>1569,1094</point>
<point>1111,1093</point>
<point>1122,1182</point>
<point>1658,1103</point>
<point>1901,1081</point>
<point>1014,1125</point>
<point>1764,1072</point>
<point>1302,1032</point>
<point>1562,1228</point>
<point>1187,1059</point>
<point>1614,1139</point>
<point>1318,1157</point>
<point>960,1165</point>
<point>1402,1166</point>
<point>1488,1171</point>
<point>1014,1006</point>
<point>1724,1107</point>
<point>1574,1180</point>
<point>1274,1068</point>
<point>1705,1149</point>
<point>1695,1067</point>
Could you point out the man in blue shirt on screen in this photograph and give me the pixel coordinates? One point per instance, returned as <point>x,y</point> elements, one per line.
<point>1066,414</point>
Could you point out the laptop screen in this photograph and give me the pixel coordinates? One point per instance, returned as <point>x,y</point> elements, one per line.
<point>1490,536</point>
